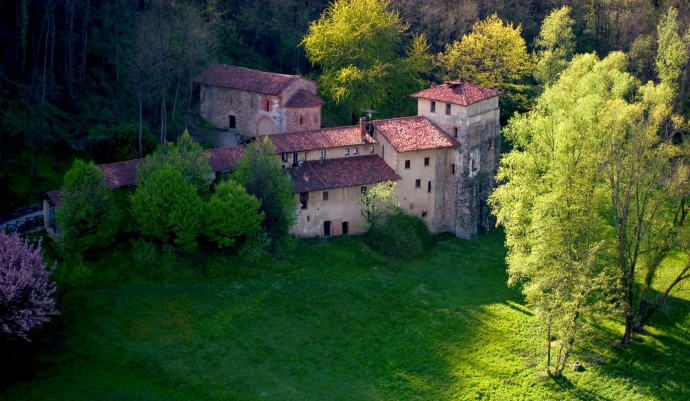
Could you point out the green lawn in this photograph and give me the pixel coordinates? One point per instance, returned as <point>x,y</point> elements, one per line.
<point>337,322</point>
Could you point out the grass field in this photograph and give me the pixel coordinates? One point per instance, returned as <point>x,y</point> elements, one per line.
<point>335,321</point>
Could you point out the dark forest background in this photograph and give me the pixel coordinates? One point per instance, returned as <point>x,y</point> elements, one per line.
<point>78,76</point>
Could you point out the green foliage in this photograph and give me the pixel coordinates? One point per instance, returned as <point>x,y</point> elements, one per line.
<point>87,217</point>
<point>493,55</point>
<point>150,258</point>
<point>232,214</point>
<point>379,203</point>
<point>672,53</point>
<point>357,45</point>
<point>400,236</point>
<point>555,45</point>
<point>261,174</point>
<point>168,208</point>
<point>186,157</point>
<point>125,141</point>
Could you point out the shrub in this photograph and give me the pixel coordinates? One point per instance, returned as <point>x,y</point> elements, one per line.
<point>232,214</point>
<point>26,291</point>
<point>400,236</point>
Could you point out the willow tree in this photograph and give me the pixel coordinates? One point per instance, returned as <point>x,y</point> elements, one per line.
<point>589,198</point>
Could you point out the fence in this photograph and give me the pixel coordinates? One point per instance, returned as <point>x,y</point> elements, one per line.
<point>29,224</point>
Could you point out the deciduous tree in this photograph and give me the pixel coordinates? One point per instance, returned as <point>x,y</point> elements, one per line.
<point>26,291</point>
<point>555,45</point>
<point>231,214</point>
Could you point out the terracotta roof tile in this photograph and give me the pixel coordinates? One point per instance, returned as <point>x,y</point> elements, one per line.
<point>121,174</point>
<point>319,139</point>
<point>224,159</point>
<point>303,99</point>
<point>457,92</point>
<point>320,175</point>
<point>414,133</point>
<point>228,76</point>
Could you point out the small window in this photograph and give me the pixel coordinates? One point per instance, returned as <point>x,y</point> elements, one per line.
<point>474,165</point>
<point>426,161</point>
<point>433,106</point>
<point>267,105</point>
<point>284,157</point>
<point>325,195</point>
<point>490,143</point>
<point>303,198</point>
<point>232,122</point>
<point>323,153</point>
<point>417,183</point>
<point>371,149</point>
<point>455,132</point>
<point>300,120</point>
<point>407,164</point>
<point>452,168</point>
<point>428,186</point>
<point>363,190</point>
<point>447,109</point>
<point>347,152</point>
<point>354,151</point>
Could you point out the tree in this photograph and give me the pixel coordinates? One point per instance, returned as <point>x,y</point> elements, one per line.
<point>26,291</point>
<point>493,55</point>
<point>672,55</point>
<point>591,180</point>
<point>167,208</point>
<point>379,203</point>
<point>357,45</point>
<point>87,217</point>
<point>186,157</point>
<point>260,172</point>
<point>555,44</point>
<point>231,214</point>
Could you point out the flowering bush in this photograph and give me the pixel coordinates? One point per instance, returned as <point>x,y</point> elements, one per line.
<point>26,291</point>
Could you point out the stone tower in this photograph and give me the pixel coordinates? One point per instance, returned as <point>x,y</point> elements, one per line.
<point>470,114</point>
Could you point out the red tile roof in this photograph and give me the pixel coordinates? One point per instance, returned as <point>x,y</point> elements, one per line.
<point>457,92</point>
<point>319,139</point>
<point>224,159</point>
<point>414,133</point>
<point>303,99</point>
<point>121,174</point>
<point>228,76</point>
<point>320,175</point>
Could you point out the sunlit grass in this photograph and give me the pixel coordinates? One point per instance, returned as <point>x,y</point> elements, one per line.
<point>336,321</point>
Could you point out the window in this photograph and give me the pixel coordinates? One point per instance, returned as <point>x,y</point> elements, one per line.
<point>323,153</point>
<point>447,109</point>
<point>325,195</point>
<point>407,164</point>
<point>347,152</point>
<point>363,190</point>
<point>489,143</point>
<point>474,165</point>
<point>294,159</point>
<point>303,198</point>
<point>266,105</point>
<point>426,161</point>
<point>284,157</point>
<point>232,123</point>
<point>452,168</point>
<point>433,106</point>
<point>455,132</point>
<point>354,151</point>
<point>428,186</point>
<point>371,149</point>
<point>417,183</point>
<point>300,120</point>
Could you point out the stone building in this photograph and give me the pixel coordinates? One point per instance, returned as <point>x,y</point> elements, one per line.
<point>252,103</point>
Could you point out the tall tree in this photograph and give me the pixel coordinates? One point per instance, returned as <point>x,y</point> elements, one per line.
<point>232,214</point>
<point>27,290</point>
<point>87,217</point>
<point>555,45</point>
<point>493,55</point>
<point>261,173</point>
<point>357,44</point>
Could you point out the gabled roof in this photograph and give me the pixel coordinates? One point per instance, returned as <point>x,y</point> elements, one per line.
<point>228,76</point>
<point>303,99</point>
<point>457,92</point>
<point>318,139</point>
<point>224,159</point>
<point>121,174</point>
<point>407,134</point>
<point>321,175</point>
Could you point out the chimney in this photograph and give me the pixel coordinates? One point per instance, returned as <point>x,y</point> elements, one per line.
<point>363,128</point>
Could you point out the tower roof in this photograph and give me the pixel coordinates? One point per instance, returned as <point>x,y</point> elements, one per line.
<point>457,92</point>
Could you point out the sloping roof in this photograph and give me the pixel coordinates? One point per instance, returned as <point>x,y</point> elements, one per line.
<point>121,174</point>
<point>224,159</point>
<point>457,92</point>
<point>303,99</point>
<point>406,134</point>
<point>228,76</point>
<point>321,175</point>
<point>319,139</point>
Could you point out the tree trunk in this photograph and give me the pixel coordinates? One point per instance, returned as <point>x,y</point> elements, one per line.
<point>548,344</point>
<point>141,123</point>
